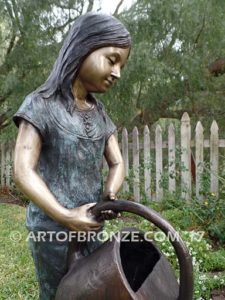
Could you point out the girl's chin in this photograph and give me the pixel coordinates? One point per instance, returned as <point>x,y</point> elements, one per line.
<point>101,88</point>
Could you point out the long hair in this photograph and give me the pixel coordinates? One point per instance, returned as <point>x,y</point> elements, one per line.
<point>88,33</point>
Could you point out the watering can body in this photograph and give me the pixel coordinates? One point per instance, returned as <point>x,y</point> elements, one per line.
<point>128,270</point>
<point>127,267</point>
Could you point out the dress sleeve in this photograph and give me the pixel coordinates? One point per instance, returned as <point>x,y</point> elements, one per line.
<point>33,111</point>
<point>110,127</point>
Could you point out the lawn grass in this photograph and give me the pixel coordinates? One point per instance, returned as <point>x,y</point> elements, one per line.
<point>17,276</point>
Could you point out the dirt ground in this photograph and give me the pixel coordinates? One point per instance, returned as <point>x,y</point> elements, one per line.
<point>218,294</point>
<point>9,198</point>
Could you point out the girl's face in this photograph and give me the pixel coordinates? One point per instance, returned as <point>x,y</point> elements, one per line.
<point>102,68</point>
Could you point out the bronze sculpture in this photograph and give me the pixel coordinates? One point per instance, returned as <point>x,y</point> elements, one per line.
<point>128,269</point>
<point>63,134</point>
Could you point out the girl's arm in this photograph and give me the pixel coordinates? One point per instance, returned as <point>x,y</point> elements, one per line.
<point>116,168</point>
<point>27,152</point>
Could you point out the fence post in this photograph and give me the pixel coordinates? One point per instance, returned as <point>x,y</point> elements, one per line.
<point>172,158</point>
<point>2,165</point>
<point>136,182</point>
<point>147,162</point>
<point>214,158</point>
<point>199,158</point>
<point>8,165</point>
<point>158,163</point>
<point>12,147</point>
<point>186,157</point>
<point>125,154</point>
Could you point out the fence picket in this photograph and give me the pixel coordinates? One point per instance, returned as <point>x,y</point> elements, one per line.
<point>12,147</point>
<point>147,162</point>
<point>186,157</point>
<point>3,165</point>
<point>140,149</point>
<point>136,180</point>
<point>125,154</point>
<point>199,158</point>
<point>172,158</point>
<point>214,158</point>
<point>158,162</point>
<point>8,165</point>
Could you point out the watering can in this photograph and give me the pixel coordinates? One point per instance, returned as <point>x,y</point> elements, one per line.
<point>123,269</point>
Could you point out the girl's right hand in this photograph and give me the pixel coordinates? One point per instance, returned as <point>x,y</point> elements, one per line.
<point>81,219</point>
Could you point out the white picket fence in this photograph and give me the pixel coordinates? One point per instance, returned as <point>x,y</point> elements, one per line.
<point>153,165</point>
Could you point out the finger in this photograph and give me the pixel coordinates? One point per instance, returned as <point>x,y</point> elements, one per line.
<point>112,196</point>
<point>90,205</point>
<point>109,215</point>
<point>94,222</point>
<point>88,228</point>
<point>112,213</point>
<point>107,211</point>
<point>95,228</point>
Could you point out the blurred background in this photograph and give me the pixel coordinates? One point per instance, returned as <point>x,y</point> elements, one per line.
<point>177,62</point>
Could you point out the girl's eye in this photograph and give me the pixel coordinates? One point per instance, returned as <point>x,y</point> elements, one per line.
<point>111,61</point>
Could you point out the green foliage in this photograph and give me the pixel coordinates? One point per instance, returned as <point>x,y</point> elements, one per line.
<point>206,213</point>
<point>209,214</point>
<point>214,261</point>
<point>30,37</point>
<point>201,252</point>
<point>204,284</point>
<point>174,42</point>
<point>17,278</point>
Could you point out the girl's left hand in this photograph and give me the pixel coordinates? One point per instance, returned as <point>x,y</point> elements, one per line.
<point>109,214</point>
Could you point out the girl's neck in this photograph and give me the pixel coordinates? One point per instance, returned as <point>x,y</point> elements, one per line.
<point>80,95</point>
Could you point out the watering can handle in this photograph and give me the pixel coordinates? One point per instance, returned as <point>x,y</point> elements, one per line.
<point>184,258</point>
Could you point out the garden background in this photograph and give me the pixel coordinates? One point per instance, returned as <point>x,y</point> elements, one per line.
<point>177,65</point>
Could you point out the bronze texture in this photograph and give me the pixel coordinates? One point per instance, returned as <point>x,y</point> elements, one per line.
<point>129,270</point>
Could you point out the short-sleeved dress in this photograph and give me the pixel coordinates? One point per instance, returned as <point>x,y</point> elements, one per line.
<point>70,163</point>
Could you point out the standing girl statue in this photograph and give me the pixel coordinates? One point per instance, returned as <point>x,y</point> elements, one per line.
<point>64,132</point>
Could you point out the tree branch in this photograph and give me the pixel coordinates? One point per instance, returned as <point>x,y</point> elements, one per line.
<point>61,27</point>
<point>139,93</point>
<point>9,10</point>
<point>90,5</point>
<point>4,119</point>
<point>4,67</point>
<point>17,20</point>
<point>3,98</point>
<point>200,31</point>
<point>11,44</point>
<point>77,8</point>
<point>118,7</point>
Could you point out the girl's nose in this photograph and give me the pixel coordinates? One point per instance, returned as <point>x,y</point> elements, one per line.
<point>116,72</point>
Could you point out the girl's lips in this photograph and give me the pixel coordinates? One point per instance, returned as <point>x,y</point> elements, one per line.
<point>109,81</point>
